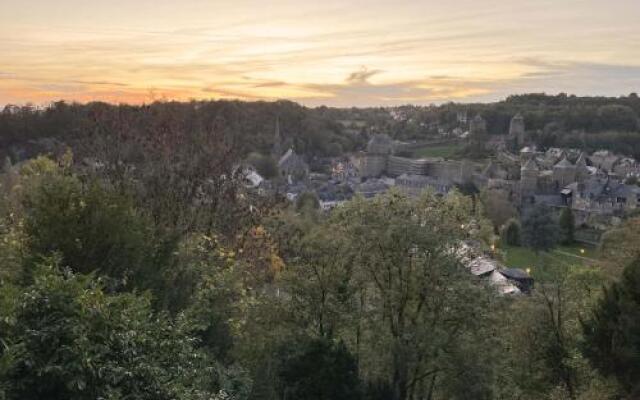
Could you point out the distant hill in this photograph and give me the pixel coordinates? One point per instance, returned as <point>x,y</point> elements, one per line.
<point>562,120</point>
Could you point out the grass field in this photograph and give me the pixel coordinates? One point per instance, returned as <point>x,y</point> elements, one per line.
<point>446,151</point>
<point>540,264</point>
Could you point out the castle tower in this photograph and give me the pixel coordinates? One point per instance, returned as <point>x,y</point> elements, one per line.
<point>276,150</point>
<point>378,150</point>
<point>478,125</point>
<point>528,179</point>
<point>564,173</point>
<point>517,133</point>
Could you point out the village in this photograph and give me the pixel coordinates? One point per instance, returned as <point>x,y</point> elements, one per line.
<point>599,188</point>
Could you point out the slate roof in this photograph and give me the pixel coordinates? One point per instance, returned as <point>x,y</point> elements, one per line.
<point>515,273</point>
<point>622,190</point>
<point>482,265</point>
<point>564,163</point>
<point>286,156</point>
<point>582,159</point>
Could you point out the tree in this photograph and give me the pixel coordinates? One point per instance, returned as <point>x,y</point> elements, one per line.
<point>415,300</point>
<point>617,117</point>
<point>620,244</point>
<point>567,226</point>
<point>511,232</point>
<point>612,332</point>
<point>497,207</point>
<point>69,339</point>
<point>540,229</point>
<point>539,346</point>
<point>318,369</point>
<point>307,202</point>
<point>91,227</point>
<point>266,166</point>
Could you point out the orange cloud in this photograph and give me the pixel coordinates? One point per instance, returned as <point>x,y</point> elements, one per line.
<point>331,52</point>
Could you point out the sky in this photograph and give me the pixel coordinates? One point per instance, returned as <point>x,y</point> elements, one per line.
<point>329,52</point>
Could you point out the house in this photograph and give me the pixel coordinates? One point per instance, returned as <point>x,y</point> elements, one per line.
<point>602,195</point>
<point>604,159</point>
<point>505,281</point>
<point>502,284</point>
<point>372,187</point>
<point>519,277</point>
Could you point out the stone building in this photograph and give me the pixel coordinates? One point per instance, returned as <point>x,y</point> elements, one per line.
<point>582,170</point>
<point>415,184</point>
<point>379,160</point>
<point>397,166</point>
<point>528,180</point>
<point>374,162</point>
<point>477,125</point>
<point>292,167</point>
<point>625,167</point>
<point>599,198</point>
<point>517,134</point>
<point>564,173</point>
<point>603,159</point>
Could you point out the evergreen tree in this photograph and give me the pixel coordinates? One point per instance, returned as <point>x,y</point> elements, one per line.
<point>511,233</point>
<point>319,370</point>
<point>540,229</point>
<point>307,201</point>
<point>567,226</point>
<point>612,332</point>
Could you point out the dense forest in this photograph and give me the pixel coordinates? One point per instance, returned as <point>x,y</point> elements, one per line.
<point>153,273</point>
<point>589,123</point>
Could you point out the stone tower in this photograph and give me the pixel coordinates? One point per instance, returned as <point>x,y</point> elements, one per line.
<point>276,150</point>
<point>517,133</point>
<point>477,125</point>
<point>564,173</point>
<point>378,150</point>
<point>528,179</point>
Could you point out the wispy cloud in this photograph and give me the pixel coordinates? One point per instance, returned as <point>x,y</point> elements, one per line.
<point>362,76</point>
<point>332,52</point>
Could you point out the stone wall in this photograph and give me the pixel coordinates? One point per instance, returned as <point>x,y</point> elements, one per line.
<point>452,171</point>
<point>397,166</point>
<point>373,165</point>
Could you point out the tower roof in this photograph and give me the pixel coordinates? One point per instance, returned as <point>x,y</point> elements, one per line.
<point>564,163</point>
<point>582,160</point>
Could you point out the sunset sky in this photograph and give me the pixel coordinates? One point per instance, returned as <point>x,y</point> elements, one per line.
<point>338,53</point>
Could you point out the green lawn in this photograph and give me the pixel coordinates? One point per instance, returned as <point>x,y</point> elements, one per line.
<point>445,151</point>
<point>540,264</point>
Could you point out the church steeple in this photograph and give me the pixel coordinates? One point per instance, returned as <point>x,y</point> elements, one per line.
<point>276,150</point>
